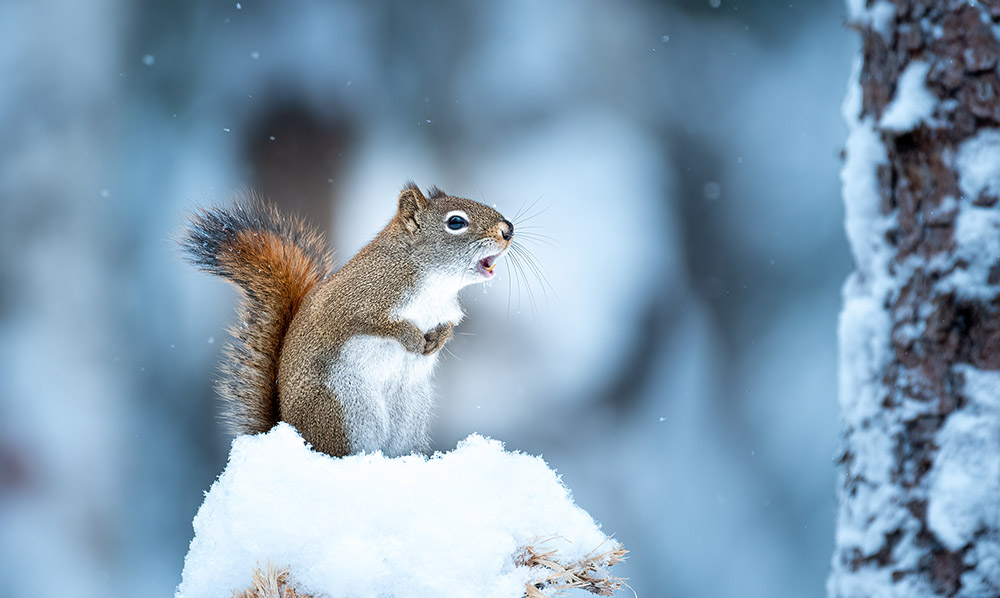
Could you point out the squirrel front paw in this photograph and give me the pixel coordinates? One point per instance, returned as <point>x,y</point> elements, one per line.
<point>435,339</point>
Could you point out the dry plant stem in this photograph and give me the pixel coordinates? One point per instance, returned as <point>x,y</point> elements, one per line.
<point>587,574</point>
<point>269,583</point>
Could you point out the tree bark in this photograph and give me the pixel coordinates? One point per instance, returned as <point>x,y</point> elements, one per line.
<point>919,488</point>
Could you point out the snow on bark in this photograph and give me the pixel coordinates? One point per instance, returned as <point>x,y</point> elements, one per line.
<point>913,103</point>
<point>978,164</point>
<point>920,329</point>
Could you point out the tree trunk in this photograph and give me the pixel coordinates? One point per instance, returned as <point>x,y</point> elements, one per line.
<point>919,487</point>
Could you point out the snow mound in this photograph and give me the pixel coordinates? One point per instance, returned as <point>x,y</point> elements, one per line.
<point>456,524</point>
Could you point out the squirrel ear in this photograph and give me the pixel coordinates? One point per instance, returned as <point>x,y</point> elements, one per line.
<point>411,201</point>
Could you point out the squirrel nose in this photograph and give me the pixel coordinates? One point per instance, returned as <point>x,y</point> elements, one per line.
<point>506,230</point>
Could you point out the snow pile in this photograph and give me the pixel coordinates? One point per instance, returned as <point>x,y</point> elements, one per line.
<point>457,524</point>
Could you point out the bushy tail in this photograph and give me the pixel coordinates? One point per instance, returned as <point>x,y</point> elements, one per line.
<point>275,261</point>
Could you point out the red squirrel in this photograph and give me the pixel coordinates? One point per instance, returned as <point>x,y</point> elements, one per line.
<point>345,357</point>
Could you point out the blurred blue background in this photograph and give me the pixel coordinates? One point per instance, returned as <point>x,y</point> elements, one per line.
<point>677,367</point>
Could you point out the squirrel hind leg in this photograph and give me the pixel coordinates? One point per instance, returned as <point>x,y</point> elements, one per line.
<point>313,409</point>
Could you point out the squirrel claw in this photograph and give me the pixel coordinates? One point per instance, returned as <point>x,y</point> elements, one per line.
<point>435,339</point>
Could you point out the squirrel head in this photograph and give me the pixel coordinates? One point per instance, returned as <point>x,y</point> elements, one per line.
<point>451,236</point>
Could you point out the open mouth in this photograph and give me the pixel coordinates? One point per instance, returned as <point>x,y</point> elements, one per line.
<point>486,265</point>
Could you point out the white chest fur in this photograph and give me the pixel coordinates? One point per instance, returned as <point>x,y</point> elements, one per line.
<point>386,395</point>
<point>434,302</point>
<point>385,390</point>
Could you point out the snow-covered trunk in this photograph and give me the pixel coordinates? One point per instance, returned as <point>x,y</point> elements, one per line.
<point>919,490</point>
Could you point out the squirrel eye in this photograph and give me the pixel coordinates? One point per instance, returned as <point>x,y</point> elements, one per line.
<point>457,223</point>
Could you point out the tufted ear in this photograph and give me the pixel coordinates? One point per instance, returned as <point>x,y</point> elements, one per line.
<point>411,201</point>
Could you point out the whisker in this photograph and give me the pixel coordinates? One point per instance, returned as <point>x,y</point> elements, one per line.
<point>538,270</point>
<point>528,234</point>
<point>521,217</point>
<point>524,210</point>
<point>522,260</point>
<point>518,274</point>
<point>539,238</point>
<point>527,285</point>
<point>451,353</point>
<point>518,213</point>
<point>529,215</point>
<point>515,268</point>
<point>542,276</point>
<point>508,295</point>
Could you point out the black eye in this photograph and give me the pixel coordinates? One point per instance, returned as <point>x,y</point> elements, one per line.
<point>457,223</point>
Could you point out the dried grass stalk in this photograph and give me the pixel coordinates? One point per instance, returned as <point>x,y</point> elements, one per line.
<point>589,573</point>
<point>269,583</point>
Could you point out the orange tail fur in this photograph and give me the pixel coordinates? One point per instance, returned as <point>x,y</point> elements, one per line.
<point>275,261</point>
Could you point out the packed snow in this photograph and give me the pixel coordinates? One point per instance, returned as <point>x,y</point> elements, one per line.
<point>859,178</point>
<point>880,15</point>
<point>965,480</point>
<point>977,248</point>
<point>864,334</point>
<point>913,102</point>
<point>978,164</point>
<point>367,525</point>
<point>864,323</point>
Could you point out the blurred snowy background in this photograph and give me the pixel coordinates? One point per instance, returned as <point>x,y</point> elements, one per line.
<point>680,373</point>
